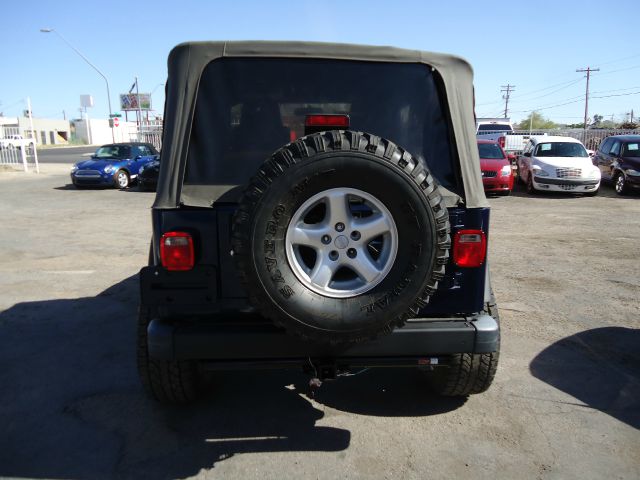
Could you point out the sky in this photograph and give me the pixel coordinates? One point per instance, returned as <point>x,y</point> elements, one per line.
<point>536,46</point>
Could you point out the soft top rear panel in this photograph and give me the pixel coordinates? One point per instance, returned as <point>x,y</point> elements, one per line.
<point>188,62</point>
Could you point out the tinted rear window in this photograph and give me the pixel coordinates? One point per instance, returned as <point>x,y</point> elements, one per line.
<point>249,107</point>
<point>489,150</point>
<point>494,127</point>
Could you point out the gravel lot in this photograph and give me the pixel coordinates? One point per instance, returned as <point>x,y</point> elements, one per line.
<point>565,403</point>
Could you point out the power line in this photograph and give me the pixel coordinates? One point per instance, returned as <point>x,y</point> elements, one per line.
<point>506,89</point>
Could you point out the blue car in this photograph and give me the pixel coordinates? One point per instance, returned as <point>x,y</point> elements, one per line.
<point>116,164</point>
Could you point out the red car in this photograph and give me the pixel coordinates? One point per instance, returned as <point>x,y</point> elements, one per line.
<point>497,175</point>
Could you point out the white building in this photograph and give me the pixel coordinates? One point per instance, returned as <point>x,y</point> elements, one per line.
<point>97,131</point>
<point>48,131</point>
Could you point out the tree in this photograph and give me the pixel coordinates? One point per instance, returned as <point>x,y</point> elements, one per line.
<point>597,120</point>
<point>535,121</point>
<point>629,125</point>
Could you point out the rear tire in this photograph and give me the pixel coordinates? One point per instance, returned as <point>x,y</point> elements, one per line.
<point>165,381</point>
<point>467,373</point>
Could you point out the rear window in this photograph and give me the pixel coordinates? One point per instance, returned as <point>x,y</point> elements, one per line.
<point>249,107</point>
<point>494,127</point>
<point>489,150</point>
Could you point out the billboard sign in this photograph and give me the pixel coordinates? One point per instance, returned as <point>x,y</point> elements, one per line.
<point>129,101</point>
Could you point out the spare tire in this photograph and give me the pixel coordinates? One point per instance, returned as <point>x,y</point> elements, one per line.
<point>341,236</point>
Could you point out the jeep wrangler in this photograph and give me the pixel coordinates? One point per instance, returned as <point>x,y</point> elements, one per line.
<point>318,206</point>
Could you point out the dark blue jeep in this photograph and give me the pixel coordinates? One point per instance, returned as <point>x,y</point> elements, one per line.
<point>319,206</point>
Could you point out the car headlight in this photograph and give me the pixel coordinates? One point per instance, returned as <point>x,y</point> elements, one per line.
<point>632,172</point>
<point>540,173</point>
<point>74,168</point>
<point>109,169</point>
<point>506,171</point>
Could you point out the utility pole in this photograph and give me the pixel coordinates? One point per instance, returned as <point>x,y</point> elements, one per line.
<point>588,70</point>
<point>506,89</point>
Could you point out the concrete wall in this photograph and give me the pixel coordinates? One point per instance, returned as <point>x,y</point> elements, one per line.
<point>99,131</point>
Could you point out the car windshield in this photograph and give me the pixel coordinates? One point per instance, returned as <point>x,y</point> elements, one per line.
<point>631,149</point>
<point>561,149</point>
<point>490,150</point>
<point>112,151</point>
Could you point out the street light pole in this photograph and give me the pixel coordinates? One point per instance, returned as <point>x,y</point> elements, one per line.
<point>49,30</point>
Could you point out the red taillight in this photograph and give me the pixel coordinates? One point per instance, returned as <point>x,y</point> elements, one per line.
<point>469,248</point>
<point>325,120</point>
<point>176,251</point>
<point>501,141</point>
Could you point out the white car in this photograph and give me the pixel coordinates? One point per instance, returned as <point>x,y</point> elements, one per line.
<point>16,141</point>
<point>557,164</point>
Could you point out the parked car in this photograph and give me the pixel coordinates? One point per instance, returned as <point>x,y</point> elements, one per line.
<point>618,159</point>
<point>297,234</point>
<point>115,164</point>
<point>558,164</point>
<point>497,174</point>
<point>500,130</point>
<point>17,141</point>
<point>148,176</point>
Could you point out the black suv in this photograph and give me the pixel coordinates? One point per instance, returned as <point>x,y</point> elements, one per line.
<point>318,206</point>
<point>618,158</point>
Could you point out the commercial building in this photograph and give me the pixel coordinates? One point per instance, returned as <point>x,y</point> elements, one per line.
<point>46,131</point>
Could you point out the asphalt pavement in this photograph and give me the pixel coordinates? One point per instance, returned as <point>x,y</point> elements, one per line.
<point>565,403</point>
<point>64,154</point>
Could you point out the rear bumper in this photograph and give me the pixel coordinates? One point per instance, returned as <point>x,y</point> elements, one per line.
<point>243,341</point>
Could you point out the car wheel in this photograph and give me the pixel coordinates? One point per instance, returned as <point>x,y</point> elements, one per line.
<point>531,190</point>
<point>620,183</point>
<point>122,179</point>
<point>165,381</point>
<point>341,225</point>
<point>467,373</point>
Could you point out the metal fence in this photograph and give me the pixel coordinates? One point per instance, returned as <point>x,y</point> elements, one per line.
<point>591,138</point>
<point>148,133</point>
<point>18,149</point>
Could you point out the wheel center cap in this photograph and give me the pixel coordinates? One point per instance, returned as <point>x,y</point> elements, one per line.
<point>341,242</point>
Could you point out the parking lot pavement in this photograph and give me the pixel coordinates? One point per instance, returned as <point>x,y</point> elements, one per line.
<point>565,403</point>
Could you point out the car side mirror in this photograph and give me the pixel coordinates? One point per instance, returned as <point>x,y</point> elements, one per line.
<point>511,157</point>
<point>527,154</point>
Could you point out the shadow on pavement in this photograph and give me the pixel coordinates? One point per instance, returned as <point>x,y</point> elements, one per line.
<point>71,405</point>
<point>600,367</point>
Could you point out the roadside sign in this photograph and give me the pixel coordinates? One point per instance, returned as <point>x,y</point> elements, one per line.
<point>116,122</point>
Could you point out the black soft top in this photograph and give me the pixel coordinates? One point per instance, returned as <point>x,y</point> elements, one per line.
<point>187,62</point>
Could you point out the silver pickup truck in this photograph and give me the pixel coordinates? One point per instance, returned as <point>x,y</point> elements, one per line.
<point>500,130</point>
